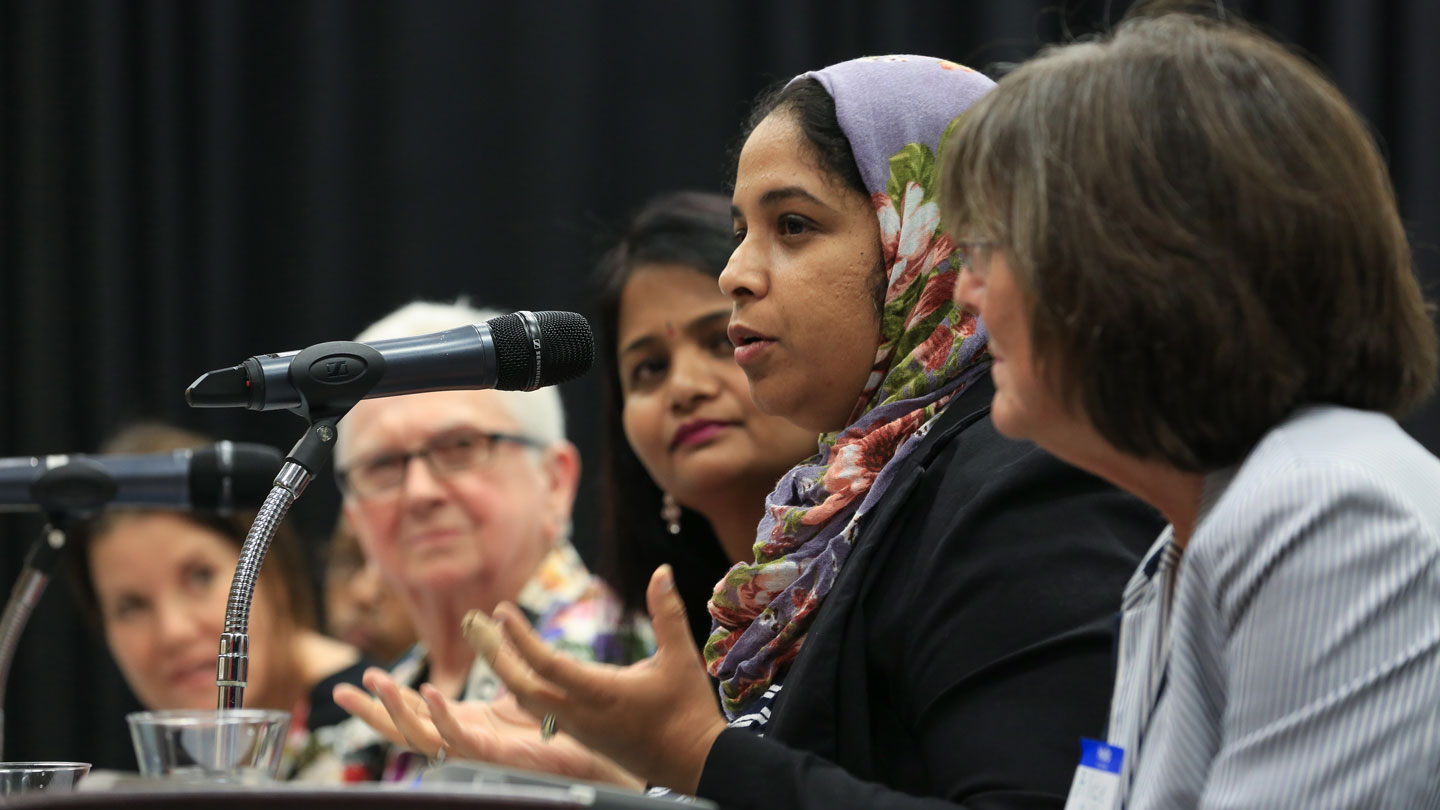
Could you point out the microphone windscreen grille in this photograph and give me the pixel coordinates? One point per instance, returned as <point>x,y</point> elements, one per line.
<point>513,355</point>
<point>250,469</point>
<point>567,346</point>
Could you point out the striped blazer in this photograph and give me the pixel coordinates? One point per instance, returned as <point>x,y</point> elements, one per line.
<point>1290,656</point>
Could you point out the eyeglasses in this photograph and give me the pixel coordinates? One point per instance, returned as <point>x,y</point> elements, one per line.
<point>446,455</point>
<point>975,254</point>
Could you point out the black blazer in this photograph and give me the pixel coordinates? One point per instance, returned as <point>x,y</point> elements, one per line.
<point>966,645</point>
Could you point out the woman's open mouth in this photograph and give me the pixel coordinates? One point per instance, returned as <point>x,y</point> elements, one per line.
<point>749,345</point>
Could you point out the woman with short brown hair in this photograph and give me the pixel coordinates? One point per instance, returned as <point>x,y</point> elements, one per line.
<point>1213,211</point>
<point>1187,252</point>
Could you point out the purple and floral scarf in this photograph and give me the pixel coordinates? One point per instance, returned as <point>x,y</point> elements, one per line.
<point>897,112</point>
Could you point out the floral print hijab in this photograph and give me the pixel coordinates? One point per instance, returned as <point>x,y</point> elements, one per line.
<point>897,112</point>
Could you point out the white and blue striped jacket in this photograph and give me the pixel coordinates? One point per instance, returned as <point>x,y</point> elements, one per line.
<point>1290,656</point>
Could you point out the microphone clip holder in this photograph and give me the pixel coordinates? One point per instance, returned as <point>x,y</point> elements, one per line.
<point>330,378</point>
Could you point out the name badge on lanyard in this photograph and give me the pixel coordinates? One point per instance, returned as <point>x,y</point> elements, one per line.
<point>1097,779</point>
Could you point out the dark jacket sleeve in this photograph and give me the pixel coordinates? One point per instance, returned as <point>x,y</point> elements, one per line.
<point>987,626</point>
<point>747,771</point>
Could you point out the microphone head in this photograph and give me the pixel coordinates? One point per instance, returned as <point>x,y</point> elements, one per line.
<point>564,349</point>
<point>567,346</point>
<point>233,475</point>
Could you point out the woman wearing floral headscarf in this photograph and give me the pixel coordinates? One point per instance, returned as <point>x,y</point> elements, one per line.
<point>929,608</point>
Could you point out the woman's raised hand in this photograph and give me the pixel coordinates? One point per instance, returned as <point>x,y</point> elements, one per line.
<point>399,715</point>
<point>503,733</point>
<point>653,721</point>
<point>499,731</point>
<point>657,718</point>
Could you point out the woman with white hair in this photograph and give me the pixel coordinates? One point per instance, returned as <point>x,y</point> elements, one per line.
<point>463,500</point>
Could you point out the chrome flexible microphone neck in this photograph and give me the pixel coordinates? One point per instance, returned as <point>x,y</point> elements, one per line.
<point>232,667</point>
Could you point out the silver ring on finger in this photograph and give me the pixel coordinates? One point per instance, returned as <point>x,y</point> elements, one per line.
<point>547,726</point>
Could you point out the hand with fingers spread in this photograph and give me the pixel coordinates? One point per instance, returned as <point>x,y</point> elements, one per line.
<point>503,733</point>
<point>396,712</point>
<point>657,718</point>
<point>499,732</point>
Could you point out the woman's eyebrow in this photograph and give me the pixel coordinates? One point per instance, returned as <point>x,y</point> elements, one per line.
<point>787,193</point>
<point>639,343</point>
<point>707,320</point>
<point>695,324</point>
<point>778,195</point>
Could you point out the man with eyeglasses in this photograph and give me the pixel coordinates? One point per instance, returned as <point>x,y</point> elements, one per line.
<point>462,499</point>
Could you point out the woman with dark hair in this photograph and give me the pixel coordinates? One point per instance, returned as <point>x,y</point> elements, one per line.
<point>688,459</point>
<point>928,614</point>
<point>1186,247</point>
<point>155,583</point>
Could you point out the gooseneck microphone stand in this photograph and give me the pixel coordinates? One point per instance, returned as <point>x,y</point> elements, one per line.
<point>66,494</point>
<point>305,460</point>
<point>330,378</point>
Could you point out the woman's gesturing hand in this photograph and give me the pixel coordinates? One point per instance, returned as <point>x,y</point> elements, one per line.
<point>503,733</point>
<point>499,731</point>
<point>396,712</point>
<point>657,718</point>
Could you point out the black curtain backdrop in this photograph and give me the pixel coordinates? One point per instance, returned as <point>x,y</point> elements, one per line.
<point>186,183</point>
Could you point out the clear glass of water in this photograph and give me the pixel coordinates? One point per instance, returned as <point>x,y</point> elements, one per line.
<point>29,777</point>
<point>235,745</point>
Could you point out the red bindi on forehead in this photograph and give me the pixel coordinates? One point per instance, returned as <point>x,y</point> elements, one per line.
<point>669,329</point>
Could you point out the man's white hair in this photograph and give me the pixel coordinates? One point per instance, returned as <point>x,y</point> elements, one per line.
<point>539,413</point>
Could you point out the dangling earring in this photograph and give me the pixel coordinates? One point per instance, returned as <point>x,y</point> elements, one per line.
<point>670,513</point>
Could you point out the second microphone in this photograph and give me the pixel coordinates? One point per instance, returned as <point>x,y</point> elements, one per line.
<point>521,351</point>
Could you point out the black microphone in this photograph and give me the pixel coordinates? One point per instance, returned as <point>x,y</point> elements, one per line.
<point>517,352</point>
<point>217,477</point>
